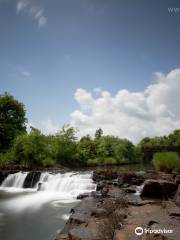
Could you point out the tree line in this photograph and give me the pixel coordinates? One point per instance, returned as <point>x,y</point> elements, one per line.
<point>34,149</point>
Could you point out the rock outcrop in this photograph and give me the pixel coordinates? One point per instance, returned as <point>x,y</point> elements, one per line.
<point>158,189</point>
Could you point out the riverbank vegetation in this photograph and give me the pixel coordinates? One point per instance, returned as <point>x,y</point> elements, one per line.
<point>34,149</point>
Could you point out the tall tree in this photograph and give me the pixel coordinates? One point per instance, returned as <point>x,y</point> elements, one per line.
<point>98,133</point>
<point>12,120</point>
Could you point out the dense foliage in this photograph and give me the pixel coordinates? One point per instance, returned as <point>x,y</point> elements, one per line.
<point>166,161</point>
<point>12,120</point>
<point>148,146</point>
<point>35,149</point>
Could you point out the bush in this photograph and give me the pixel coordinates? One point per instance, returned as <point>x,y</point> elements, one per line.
<point>6,158</point>
<point>110,161</point>
<point>48,162</point>
<point>166,161</point>
<point>102,161</point>
<point>93,162</point>
<point>30,149</point>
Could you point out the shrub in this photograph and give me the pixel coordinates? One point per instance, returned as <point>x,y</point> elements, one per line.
<point>48,162</point>
<point>93,162</point>
<point>6,158</point>
<point>166,161</point>
<point>102,161</point>
<point>30,149</point>
<point>110,161</point>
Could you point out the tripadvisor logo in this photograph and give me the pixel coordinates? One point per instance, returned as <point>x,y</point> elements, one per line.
<point>139,231</point>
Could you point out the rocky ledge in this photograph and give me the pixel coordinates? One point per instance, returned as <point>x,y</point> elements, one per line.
<point>124,201</point>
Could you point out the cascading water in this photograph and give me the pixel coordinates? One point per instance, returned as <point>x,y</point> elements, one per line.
<point>71,183</point>
<point>46,205</point>
<point>15,180</point>
<point>62,187</point>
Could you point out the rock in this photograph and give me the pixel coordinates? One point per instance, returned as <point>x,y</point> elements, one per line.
<point>120,235</point>
<point>155,237</point>
<point>177,196</point>
<point>140,203</point>
<point>104,191</point>
<point>79,218</point>
<point>158,189</point>
<point>82,233</point>
<point>62,237</point>
<point>175,214</point>
<point>31,179</point>
<point>99,212</point>
<point>84,195</point>
<point>130,190</point>
<point>125,185</point>
<point>120,214</point>
<point>104,175</point>
<point>96,194</point>
<point>177,180</point>
<point>100,185</point>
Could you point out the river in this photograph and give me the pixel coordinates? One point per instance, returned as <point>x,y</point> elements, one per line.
<point>26,213</point>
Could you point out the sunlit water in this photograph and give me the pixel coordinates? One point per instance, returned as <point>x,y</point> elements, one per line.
<point>34,215</point>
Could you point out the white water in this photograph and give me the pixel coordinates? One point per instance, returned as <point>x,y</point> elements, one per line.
<point>15,180</point>
<point>55,188</point>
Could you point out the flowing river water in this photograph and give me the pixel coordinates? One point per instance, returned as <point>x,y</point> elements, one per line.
<point>26,213</point>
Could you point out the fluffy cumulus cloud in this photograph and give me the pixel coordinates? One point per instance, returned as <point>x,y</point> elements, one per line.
<point>132,115</point>
<point>31,9</point>
<point>45,126</point>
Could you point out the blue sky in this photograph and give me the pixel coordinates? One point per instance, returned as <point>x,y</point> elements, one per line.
<point>50,49</point>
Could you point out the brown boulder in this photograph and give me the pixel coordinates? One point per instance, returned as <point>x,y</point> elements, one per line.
<point>158,189</point>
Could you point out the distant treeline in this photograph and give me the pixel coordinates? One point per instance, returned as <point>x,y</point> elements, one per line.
<point>34,149</point>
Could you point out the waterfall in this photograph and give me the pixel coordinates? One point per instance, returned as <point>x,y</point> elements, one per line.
<point>55,188</point>
<point>15,180</point>
<point>71,183</point>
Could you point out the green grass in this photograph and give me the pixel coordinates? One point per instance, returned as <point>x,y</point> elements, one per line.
<point>166,161</point>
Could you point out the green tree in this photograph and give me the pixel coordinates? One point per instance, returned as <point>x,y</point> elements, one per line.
<point>98,133</point>
<point>86,149</point>
<point>31,149</point>
<point>66,146</point>
<point>12,120</point>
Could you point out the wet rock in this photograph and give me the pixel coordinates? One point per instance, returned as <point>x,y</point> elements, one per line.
<point>84,195</point>
<point>96,194</point>
<point>78,218</point>
<point>62,237</point>
<point>158,189</point>
<point>130,190</point>
<point>31,179</point>
<point>100,185</point>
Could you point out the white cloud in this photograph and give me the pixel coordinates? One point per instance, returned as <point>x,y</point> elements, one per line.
<point>31,9</point>
<point>48,127</point>
<point>133,115</point>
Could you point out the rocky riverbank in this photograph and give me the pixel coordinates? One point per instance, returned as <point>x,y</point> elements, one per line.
<point>124,201</point>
